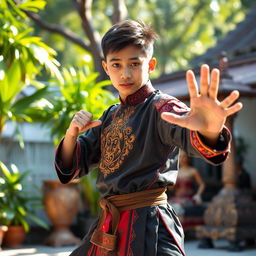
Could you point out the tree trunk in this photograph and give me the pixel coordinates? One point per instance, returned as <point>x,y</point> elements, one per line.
<point>120,11</point>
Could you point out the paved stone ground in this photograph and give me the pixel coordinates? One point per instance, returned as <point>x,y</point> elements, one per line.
<point>190,247</point>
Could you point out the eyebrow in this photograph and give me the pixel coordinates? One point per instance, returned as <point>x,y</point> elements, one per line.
<point>117,59</point>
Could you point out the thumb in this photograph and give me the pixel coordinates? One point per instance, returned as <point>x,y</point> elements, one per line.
<point>95,123</point>
<point>174,119</point>
<point>92,124</point>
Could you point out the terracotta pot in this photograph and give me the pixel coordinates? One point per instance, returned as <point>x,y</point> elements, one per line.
<point>14,237</point>
<point>61,205</point>
<point>3,229</point>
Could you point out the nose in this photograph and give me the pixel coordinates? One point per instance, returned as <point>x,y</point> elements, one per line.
<point>126,73</point>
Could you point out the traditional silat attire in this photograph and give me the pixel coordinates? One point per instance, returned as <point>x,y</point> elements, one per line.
<point>137,152</point>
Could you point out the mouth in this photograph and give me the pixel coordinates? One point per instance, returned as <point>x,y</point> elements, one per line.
<point>126,84</point>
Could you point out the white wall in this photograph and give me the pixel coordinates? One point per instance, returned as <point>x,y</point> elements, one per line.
<point>245,126</point>
<point>37,155</point>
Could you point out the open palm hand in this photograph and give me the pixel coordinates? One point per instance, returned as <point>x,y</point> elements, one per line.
<point>207,114</point>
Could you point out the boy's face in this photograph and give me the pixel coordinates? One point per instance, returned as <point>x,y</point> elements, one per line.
<point>128,69</point>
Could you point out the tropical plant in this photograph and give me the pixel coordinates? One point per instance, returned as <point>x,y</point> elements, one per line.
<point>22,58</point>
<point>18,202</point>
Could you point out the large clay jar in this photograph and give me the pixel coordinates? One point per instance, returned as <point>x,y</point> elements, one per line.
<point>14,236</point>
<point>61,205</point>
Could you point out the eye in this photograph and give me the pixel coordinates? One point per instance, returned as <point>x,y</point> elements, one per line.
<point>135,64</point>
<point>115,65</point>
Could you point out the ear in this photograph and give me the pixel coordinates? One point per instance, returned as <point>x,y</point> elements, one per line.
<point>104,65</point>
<point>151,65</point>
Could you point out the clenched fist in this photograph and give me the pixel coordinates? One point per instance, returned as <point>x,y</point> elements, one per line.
<point>81,122</point>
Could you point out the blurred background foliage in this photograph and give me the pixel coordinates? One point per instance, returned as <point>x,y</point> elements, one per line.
<point>186,27</point>
<point>22,57</point>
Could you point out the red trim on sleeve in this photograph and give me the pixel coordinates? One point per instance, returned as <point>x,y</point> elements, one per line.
<point>76,169</point>
<point>204,150</point>
<point>169,103</point>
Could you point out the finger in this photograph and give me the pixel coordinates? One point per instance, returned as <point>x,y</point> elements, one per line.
<point>81,121</point>
<point>78,123</point>
<point>235,108</point>
<point>204,79</point>
<point>83,113</point>
<point>230,99</point>
<point>214,86</point>
<point>174,119</point>
<point>192,84</point>
<point>95,123</point>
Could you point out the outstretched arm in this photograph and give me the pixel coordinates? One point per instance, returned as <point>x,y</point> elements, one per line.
<point>207,114</point>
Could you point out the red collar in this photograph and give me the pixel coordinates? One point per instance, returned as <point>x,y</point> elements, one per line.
<point>139,96</point>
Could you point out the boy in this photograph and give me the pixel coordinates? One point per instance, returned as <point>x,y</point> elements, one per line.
<point>136,144</point>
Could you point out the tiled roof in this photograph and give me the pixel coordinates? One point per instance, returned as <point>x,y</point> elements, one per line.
<point>240,48</point>
<point>240,41</point>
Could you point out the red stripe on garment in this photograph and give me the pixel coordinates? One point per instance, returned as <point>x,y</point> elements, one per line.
<point>125,235</point>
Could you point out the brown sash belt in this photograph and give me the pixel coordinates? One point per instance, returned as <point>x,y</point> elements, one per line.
<point>115,204</point>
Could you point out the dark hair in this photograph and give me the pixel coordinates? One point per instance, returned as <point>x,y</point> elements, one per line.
<point>129,32</point>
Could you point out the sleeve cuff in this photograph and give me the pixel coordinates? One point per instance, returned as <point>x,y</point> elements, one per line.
<point>222,147</point>
<point>67,175</point>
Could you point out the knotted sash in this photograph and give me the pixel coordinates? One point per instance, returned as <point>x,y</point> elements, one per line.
<point>115,204</point>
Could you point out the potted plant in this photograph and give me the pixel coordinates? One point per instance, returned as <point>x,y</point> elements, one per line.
<point>18,204</point>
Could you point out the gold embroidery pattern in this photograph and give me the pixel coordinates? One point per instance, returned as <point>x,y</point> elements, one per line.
<point>203,149</point>
<point>116,142</point>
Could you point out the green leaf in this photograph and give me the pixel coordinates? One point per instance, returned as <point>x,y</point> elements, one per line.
<point>5,170</point>
<point>21,210</point>
<point>17,187</point>
<point>12,84</point>
<point>20,105</point>
<point>33,6</point>
<point>21,220</point>
<point>38,221</point>
<point>20,138</point>
<point>14,168</point>
<point>104,83</point>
